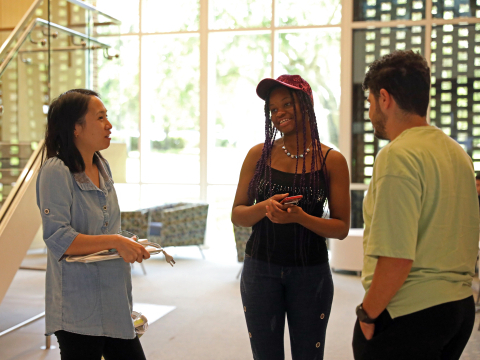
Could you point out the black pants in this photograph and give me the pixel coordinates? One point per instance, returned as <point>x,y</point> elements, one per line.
<point>437,333</point>
<point>304,294</point>
<point>84,347</point>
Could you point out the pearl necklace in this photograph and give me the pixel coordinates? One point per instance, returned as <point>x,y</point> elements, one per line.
<point>296,156</point>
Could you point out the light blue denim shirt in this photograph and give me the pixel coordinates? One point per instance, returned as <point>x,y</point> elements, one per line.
<point>90,299</point>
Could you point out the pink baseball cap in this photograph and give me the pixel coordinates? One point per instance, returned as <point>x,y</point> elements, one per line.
<point>291,81</point>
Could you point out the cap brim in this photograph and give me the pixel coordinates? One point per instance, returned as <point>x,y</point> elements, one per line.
<point>266,85</point>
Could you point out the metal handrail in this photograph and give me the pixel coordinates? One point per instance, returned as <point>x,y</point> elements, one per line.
<point>25,175</point>
<point>64,48</point>
<point>93,8</point>
<point>71,32</point>
<point>42,22</point>
<point>23,22</point>
<point>16,47</point>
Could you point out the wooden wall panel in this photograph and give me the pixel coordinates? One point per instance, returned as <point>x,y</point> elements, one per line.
<point>12,11</point>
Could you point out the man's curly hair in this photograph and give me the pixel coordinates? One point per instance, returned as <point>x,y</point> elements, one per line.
<point>403,74</point>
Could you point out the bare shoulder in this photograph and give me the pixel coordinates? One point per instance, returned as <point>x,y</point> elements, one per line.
<point>256,150</point>
<point>333,155</point>
<point>252,158</point>
<point>335,160</point>
<point>254,153</point>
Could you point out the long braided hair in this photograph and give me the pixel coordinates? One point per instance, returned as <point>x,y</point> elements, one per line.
<point>261,181</point>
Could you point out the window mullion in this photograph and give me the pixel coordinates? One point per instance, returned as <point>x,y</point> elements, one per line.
<point>272,40</point>
<point>203,98</point>
<point>346,79</point>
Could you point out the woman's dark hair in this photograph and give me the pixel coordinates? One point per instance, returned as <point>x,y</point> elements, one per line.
<point>261,171</point>
<point>406,76</point>
<point>308,116</point>
<point>64,113</point>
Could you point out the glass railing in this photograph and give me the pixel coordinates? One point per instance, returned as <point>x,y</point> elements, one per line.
<point>53,48</point>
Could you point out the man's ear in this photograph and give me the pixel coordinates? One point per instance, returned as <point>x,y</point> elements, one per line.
<point>385,100</point>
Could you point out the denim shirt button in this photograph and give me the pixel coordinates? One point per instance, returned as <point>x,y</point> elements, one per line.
<point>105,207</point>
<point>46,211</point>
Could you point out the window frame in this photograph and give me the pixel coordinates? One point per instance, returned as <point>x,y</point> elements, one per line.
<point>346,26</point>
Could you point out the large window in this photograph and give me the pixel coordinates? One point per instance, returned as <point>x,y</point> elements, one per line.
<point>188,110</point>
<point>170,109</point>
<point>238,122</point>
<point>182,93</point>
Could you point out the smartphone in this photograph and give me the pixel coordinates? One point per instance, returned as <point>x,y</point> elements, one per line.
<point>292,200</point>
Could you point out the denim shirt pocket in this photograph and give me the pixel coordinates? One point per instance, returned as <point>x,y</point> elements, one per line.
<point>80,291</point>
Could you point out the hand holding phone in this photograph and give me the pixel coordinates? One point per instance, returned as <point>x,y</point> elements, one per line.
<point>292,200</point>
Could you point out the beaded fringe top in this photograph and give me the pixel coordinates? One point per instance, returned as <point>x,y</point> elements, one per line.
<point>282,182</point>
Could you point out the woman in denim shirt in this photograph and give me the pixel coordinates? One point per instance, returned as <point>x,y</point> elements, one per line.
<point>88,306</point>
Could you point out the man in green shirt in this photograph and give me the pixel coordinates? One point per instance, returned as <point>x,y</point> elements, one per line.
<point>421,225</point>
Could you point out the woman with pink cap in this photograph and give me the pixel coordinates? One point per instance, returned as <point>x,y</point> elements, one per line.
<point>286,270</point>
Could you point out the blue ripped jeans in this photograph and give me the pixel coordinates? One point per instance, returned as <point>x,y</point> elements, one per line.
<point>303,293</point>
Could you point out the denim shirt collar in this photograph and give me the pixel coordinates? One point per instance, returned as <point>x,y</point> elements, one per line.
<point>84,182</point>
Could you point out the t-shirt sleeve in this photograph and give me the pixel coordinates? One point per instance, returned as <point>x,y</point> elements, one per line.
<point>394,226</point>
<point>54,198</point>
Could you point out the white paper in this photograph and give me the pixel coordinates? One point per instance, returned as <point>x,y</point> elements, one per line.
<point>109,255</point>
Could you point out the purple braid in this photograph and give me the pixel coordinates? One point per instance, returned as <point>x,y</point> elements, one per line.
<point>317,153</point>
<point>304,128</point>
<point>261,169</point>
<point>296,134</point>
<point>260,175</point>
<point>306,109</point>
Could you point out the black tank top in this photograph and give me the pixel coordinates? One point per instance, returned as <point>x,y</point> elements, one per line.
<point>289,244</point>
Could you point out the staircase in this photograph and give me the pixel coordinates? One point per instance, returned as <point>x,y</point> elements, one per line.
<point>47,49</point>
<point>13,159</point>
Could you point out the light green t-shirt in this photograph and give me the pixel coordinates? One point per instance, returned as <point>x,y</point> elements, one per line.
<point>422,205</point>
